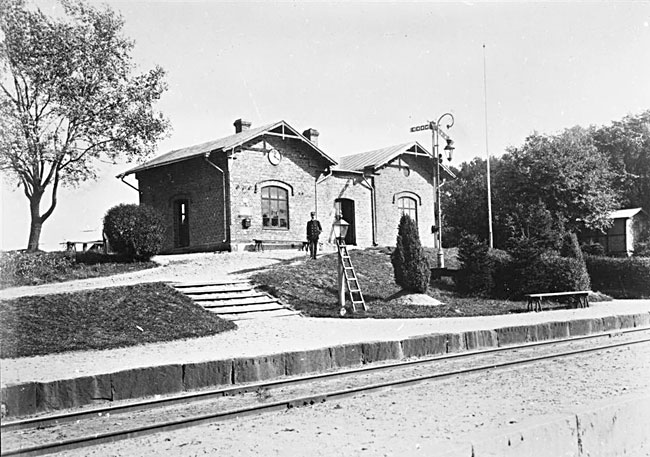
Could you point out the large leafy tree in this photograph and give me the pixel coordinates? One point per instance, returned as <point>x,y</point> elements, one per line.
<point>627,144</point>
<point>68,96</point>
<point>565,173</point>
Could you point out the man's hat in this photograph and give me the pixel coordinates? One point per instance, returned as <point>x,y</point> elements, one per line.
<point>313,213</point>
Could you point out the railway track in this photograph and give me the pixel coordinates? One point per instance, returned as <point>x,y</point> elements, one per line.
<point>104,425</point>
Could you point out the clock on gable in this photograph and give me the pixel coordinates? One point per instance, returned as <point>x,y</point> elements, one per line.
<point>275,156</point>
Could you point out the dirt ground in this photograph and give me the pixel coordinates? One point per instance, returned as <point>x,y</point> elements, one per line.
<point>426,419</point>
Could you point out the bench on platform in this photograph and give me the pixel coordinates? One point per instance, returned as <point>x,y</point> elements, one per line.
<point>97,246</point>
<point>535,300</point>
<point>301,244</point>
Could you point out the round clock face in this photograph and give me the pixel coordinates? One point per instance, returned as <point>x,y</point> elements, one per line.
<point>275,156</point>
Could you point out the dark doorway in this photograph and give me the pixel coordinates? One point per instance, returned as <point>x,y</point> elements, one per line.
<point>345,207</point>
<point>181,223</point>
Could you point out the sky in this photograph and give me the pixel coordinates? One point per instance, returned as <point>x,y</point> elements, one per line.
<point>362,74</point>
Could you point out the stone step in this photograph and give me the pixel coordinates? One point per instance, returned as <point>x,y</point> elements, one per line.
<point>226,296</point>
<point>223,282</point>
<point>195,290</point>
<point>239,302</point>
<point>261,315</point>
<point>243,309</point>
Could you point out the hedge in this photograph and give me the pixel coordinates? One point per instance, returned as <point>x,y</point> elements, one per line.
<point>620,277</point>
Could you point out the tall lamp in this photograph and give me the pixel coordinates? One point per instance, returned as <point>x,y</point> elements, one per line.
<point>449,151</point>
<point>340,229</point>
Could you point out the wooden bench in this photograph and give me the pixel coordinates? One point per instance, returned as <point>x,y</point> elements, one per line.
<point>302,245</point>
<point>71,246</point>
<point>535,300</point>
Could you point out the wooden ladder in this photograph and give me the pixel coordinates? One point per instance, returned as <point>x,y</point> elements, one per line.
<point>356,297</point>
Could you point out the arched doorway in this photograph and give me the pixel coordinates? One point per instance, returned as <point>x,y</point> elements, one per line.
<point>345,207</point>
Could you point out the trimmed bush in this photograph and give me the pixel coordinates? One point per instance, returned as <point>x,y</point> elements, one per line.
<point>570,247</point>
<point>411,267</point>
<point>596,249</point>
<point>135,231</point>
<point>552,273</point>
<point>501,263</point>
<point>620,277</point>
<point>475,274</point>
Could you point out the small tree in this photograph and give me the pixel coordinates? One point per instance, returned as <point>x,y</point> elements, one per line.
<point>412,272</point>
<point>134,231</point>
<point>475,275</point>
<point>571,247</point>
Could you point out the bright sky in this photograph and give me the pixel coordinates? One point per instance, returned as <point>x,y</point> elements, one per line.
<point>364,73</point>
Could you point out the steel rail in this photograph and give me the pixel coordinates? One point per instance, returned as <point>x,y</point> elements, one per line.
<point>111,437</point>
<point>275,384</point>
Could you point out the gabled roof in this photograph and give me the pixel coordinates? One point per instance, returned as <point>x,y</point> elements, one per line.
<point>280,128</point>
<point>380,157</point>
<point>625,213</point>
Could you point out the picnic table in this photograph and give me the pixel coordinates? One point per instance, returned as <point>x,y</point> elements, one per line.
<point>535,300</point>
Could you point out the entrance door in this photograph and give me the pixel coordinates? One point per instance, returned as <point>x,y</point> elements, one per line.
<point>181,223</point>
<point>345,207</point>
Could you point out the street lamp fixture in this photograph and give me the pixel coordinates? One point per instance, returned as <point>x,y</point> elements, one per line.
<point>340,229</point>
<point>449,150</point>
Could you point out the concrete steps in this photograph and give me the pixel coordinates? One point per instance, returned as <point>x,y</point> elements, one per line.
<point>234,299</point>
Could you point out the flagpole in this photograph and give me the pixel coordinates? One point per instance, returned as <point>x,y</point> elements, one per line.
<point>487,153</point>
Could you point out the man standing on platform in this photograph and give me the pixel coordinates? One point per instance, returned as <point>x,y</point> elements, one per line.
<point>313,232</point>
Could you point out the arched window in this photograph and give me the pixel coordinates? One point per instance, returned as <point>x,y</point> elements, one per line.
<point>408,206</point>
<point>275,208</point>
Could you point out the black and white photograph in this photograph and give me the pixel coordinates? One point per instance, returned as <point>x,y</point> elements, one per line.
<point>325,228</point>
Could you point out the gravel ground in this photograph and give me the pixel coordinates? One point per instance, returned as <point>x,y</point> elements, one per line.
<point>425,419</point>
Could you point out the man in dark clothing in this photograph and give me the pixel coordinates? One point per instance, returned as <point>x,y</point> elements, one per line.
<point>313,232</point>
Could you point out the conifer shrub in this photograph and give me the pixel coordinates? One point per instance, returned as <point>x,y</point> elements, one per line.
<point>620,277</point>
<point>570,247</point>
<point>135,231</point>
<point>410,264</point>
<point>476,268</point>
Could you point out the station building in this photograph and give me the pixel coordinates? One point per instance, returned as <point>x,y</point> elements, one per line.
<point>262,184</point>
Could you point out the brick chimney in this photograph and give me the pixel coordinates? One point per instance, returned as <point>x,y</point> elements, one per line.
<point>241,125</point>
<point>311,135</point>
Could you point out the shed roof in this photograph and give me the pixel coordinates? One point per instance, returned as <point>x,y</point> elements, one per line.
<point>379,157</point>
<point>625,213</point>
<point>280,128</point>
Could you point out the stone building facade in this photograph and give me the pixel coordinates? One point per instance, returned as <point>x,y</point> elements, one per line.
<point>262,183</point>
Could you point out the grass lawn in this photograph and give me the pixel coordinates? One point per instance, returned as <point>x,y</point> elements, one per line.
<point>18,268</point>
<point>311,288</point>
<point>102,319</point>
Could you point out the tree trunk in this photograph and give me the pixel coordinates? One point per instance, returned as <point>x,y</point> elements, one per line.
<point>36,223</point>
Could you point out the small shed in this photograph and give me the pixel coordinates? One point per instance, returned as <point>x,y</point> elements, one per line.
<point>627,229</point>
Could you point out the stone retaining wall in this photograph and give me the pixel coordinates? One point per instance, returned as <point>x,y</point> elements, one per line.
<point>36,397</point>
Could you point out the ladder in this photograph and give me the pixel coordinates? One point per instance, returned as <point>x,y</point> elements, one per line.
<point>356,297</point>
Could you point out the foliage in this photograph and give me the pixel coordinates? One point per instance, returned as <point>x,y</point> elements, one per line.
<point>593,249</point>
<point>412,271</point>
<point>465,203</point>
<point>135,231</point>
<point>20,268</point>
<point>551,273</point>
<point>620,277</point>
<point>68,97</point>
<point>475,275</point>
<point>571,247</point>
<point>627,145</point>
<point>502,273</point>
<point>102,319</point>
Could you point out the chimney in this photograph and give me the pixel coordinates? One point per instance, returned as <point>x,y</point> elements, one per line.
<point>311,135</point>
<point>241,125</point>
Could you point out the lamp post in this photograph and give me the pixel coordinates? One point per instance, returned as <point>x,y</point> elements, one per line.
<point>449,150</point>
<point>340,229</point>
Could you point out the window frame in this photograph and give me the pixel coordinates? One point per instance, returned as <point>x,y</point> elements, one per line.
<point>408,210</point>
<point>267,198</point>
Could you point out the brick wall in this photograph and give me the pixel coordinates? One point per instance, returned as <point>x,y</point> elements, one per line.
<point>202,186</point>
<point>391,180</point>
<point>250,170</point>
<point>349,186</point>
